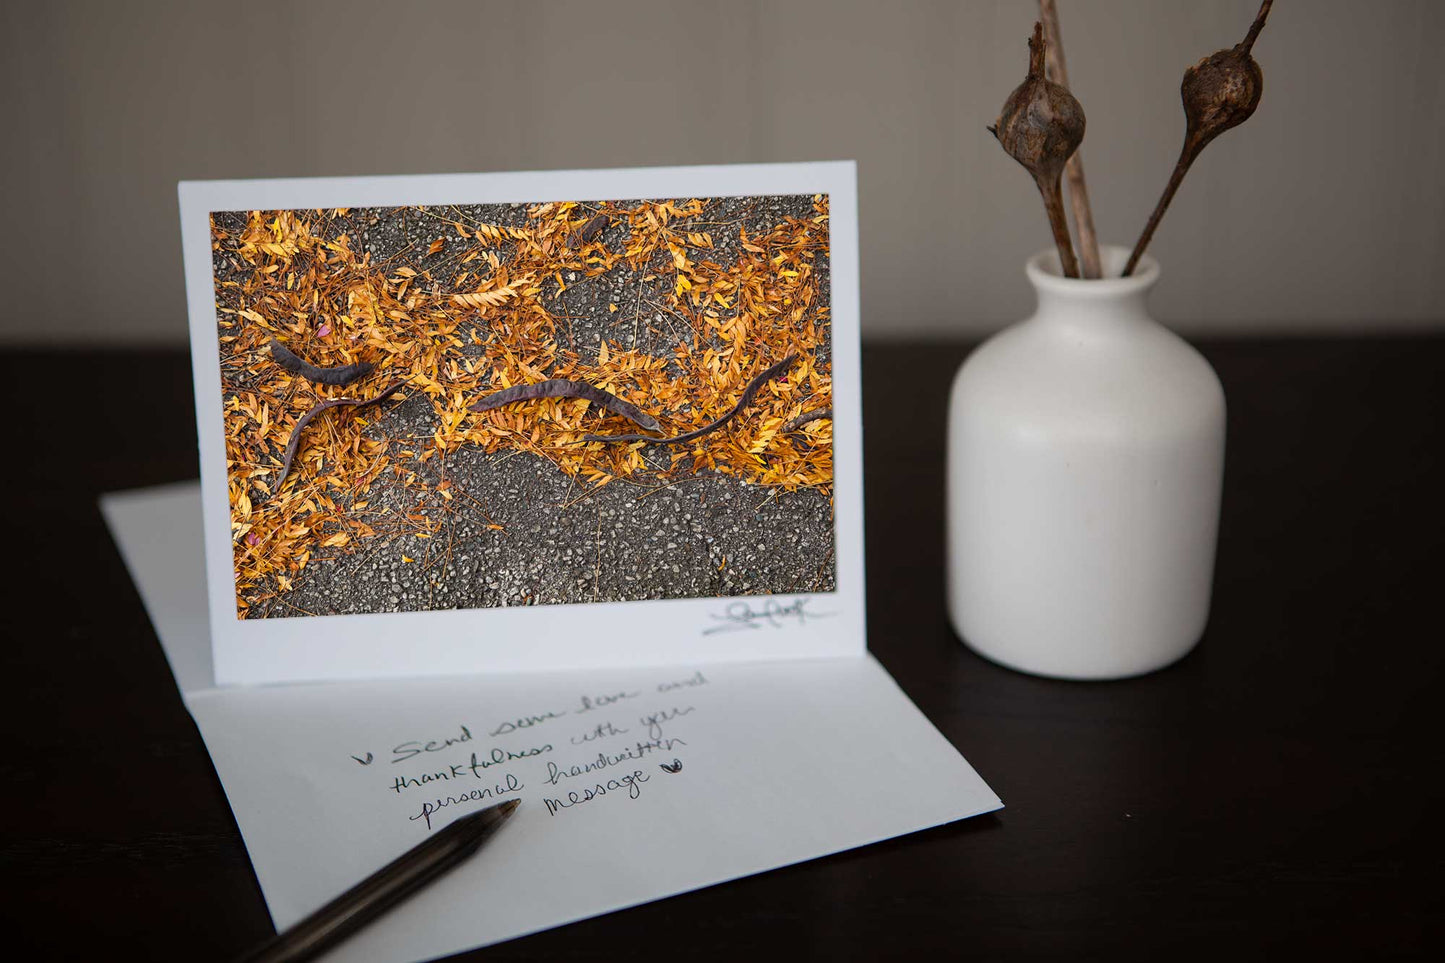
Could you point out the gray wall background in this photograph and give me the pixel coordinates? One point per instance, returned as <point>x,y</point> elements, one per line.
<point>1324,213</point>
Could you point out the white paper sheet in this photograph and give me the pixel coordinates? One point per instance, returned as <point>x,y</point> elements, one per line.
<point>779,762</point>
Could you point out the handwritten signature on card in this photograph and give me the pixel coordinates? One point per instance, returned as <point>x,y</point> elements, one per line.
<point>744,615</point>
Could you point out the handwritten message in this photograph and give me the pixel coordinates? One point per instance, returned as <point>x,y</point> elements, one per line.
<point>600,746</point>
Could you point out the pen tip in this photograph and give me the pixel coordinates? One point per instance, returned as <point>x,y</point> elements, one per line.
<point>506,808</point>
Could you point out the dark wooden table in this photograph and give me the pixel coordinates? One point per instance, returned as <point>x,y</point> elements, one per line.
<point>1278,790</point>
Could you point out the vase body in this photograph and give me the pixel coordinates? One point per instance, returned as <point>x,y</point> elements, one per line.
<point>1085,461</point>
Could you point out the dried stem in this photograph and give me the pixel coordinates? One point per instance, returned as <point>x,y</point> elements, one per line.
<point>1181,167</point>
<point>1219,92</point>
<point>1054,204</point>
<point>1247,44</point>
<point>1074,170</point>
<point>1040,126</point>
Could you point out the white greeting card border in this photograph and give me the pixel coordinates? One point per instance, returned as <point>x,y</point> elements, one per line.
<point>550,637</point>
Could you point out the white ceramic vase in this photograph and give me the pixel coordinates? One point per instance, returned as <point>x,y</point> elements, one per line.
<point>1085,458</point>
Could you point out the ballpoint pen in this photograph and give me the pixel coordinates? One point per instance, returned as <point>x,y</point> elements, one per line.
<point>383,889</point>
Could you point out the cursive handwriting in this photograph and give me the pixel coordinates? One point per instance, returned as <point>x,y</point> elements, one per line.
<point>556,773</point>
<point>497,756</point>
<point>597,702</point>
<point>406,750</point>
<point>654,721</point>
<point>525,722</point>
<point>741,615</point>
<point>695,679</point>
<point>604,730</point>
<point>459,770</point>
<point>433,781</point>
<point>510,784</point>
<point>631,782</point>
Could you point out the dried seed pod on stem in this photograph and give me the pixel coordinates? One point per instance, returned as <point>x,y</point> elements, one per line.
<point>1040,126</point>
<point>1058,72</point>
<point>1219,92</point>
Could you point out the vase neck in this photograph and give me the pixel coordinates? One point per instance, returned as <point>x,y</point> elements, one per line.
<point>1094,309</point>
<point>1111,302</point>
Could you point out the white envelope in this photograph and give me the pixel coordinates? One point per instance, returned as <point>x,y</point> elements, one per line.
<point>766,764</point>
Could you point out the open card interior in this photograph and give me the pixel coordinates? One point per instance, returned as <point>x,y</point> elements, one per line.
<point>406,514</point>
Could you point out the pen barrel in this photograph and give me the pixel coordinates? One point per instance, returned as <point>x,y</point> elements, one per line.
<point>379,892</point>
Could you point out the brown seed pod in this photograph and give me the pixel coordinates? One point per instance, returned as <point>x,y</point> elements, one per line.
<point>563,388</point>
<point>1219,92</point>
<point>294,444</point>
<point>339,375</point>
<point>1040,126</point>
<point>749,393</point>
<point>588,232</point>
